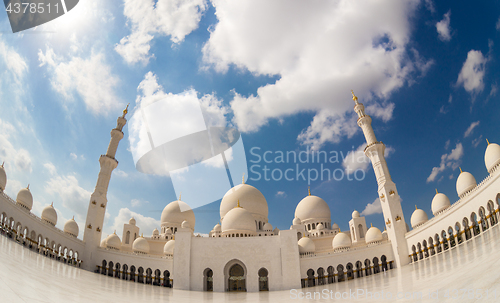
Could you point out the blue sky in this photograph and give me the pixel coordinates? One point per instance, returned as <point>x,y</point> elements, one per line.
<point>280,72</point>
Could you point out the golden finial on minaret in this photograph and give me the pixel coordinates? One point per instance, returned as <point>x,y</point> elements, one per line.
<point>180,195</point>
<point>437,191</point>
<point>28,188</point>
<point>309,190</point>
<point>354,98</point>
<point>371,224</point>
<point>73,218</point>
<point>460,170</point>
<point>238,203</point>
<point>416,207</point>
<point>52,204</point>
<point>3,163</point>
<point>243,179</point>
<point>486,141</point>
<point>125,111</point>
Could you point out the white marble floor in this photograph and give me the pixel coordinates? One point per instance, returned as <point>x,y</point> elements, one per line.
<point>466,273</point>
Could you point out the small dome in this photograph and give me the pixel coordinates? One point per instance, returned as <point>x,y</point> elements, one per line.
<point>103,242</point>
<point>217,227</point>
<point>3,178</point>
<point>49,214</point>
<point>335,226</point>
<point>185,224</point>
<point>439,203</point>
<point>296,221</point>
<point>312,207</point>
<point>71,227</point>
<point>250,199</point>
<point>176,212</point>
<point>168,231</point>
<point>25,198</point>
<point>418,218</point>
<point>141,245</point>
<point>320,226</point>
<point>131,221</point>
<point>113,241</point>
<point>268,227</point>
<point>373,234</point>
<point>341,240</point>
<point>168,249</point>
<point>306,245</point>
<point>355,214</point>
<point>465,182</point>
<point>238,219</point>
<point>492,156</point>
<point>156,232</point>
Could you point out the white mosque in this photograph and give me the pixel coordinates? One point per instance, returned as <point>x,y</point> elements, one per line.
<point>244,252</point>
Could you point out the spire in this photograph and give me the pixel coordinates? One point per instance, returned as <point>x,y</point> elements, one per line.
<point>416,207</point>
<point>73,218</point>
<point>486,141</point>
<point>238,203</point>
<point>371,224</point>
<point>3,163</point>
<point>437,191</point>
<point>28,188</point>
<point>243,179</point>
<point>125,111</point>
<point>114,232</point>
<point>354,98</point>
<point>461,170</point>
<point>52,204</point>
<point>309,190</point>
<point>180,195</point>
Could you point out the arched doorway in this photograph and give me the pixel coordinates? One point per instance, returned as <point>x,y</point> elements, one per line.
<point>263,281</point>
<point>235,276</point>
<point>208,280</point>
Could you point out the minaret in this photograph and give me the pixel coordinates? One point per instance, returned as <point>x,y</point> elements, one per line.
<point>387,192</point>
<point>98,199</point>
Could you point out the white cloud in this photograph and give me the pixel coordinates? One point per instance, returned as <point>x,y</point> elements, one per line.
<point>281,194</point>
<point>472,73</point>
<point>14,158</point>
<point>120,173</point>
<point>327,127</point>
<point>447,144</point>
<point>494,90</point>
<point>91,78</point>
<point>477,141</point>
<point>356,160</point>
<point>443,28</point>
<point>146,224</point>
<point>182,114</point>
<point>319,50</point>
<point>498,25</point>
<point>14,62</point>
<point>73,156</point>
<point>71,194</point>
<point>147,18</point>
<point>50,167</point>
<point>470,129</point>
<point>138,202</point>
<point>447,160</point>
<point>372,208</point>
<point>429,4</point>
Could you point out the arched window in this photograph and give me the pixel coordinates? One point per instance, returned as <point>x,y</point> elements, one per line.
<point>140,275</point>
<point>110,269</point>
<point>127,237</point>
<point>475,226</point>
<point>157,278</point>
<point>166,279</point>
<point>465,223</point>
<point>103,267</point>
<point>236,280</point>
<point>482,215</point>
<point>431,246</point>
<point>125,272</point>
<point>117,270</point>
<point>350,271</point>
<point>263,281</point>
<point>359,269</point>
<point>452,236</point>
<point>458,233</point>
<point>132,273</point>
<point>368,270</point>
<point>384,263</point>
<point>376,266</point>
<point>445,240</point>
<point>360,230</point>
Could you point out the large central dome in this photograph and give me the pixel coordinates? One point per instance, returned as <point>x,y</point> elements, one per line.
<point>251,199</point>
<point>312,207</point>
<point>176,212</point>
